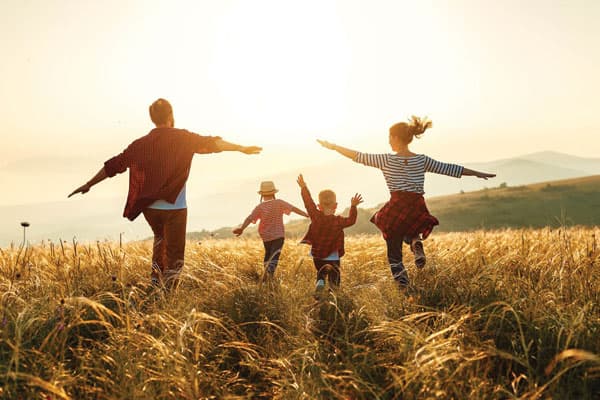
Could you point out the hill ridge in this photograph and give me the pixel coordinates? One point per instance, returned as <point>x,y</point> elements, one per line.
<point>573,201</point>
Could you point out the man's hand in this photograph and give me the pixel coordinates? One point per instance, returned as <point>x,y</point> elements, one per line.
<point>327,144</point>
<point>82,189</point>
<point>251,149</point>
<point>300,181</point>
<point>356,200</point>
<point>484,175</point>
<point>238,231</point>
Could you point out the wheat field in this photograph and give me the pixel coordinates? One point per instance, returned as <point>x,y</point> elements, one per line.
<point>494,315</point>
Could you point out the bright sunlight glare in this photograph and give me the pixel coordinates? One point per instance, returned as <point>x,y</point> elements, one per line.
<point>293,68</point>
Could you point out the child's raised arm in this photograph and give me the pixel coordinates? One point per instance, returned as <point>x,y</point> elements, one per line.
<point>356,200</point>
<point>309,203</point>
<point>351,218</point>
<point>351,154</point>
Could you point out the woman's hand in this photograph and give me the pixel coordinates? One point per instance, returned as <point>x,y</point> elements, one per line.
<point>478,174</point>
<point>351,154</point>
<point>326,144</point>
<point>484,175</point>
<point>238,231</point>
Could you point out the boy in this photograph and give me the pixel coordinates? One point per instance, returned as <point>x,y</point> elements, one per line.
<point>326,233</point>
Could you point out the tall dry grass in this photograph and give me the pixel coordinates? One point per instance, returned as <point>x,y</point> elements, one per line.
<point>494,315</point>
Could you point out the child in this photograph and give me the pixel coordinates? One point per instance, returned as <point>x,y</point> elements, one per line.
<point>405,218</point>
<point>270,213</point>
<point>326,233</point>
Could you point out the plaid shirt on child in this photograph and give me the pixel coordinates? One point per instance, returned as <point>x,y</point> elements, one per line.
<point>326,232</point>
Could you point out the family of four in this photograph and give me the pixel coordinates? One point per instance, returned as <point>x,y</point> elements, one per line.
<point>159,164</point>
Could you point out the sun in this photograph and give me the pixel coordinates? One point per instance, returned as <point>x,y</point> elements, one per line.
<point>282,74</point>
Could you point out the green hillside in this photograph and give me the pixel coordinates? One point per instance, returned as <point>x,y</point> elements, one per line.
<point>556,203</point>
<point>565,202</point>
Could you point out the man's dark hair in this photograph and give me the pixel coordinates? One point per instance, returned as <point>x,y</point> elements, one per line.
<point>161,111</point>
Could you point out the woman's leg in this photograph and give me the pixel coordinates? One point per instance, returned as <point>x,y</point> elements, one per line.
<point>394,253</point>
<point>416,245</point>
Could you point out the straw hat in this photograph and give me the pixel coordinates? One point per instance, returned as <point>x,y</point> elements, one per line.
<point>267,188</point>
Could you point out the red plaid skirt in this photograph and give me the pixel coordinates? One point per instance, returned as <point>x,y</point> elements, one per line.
<point>405,215</point>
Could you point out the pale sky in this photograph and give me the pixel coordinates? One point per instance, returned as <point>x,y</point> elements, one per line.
<point>498,78</point>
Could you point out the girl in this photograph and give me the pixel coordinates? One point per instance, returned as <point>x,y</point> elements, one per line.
<point>405,218</point>
<point>270,213</point>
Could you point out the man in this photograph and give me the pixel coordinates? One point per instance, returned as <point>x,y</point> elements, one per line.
<point>159,164</point>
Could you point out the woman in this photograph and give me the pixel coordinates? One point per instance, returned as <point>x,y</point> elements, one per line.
<point>405,217</point>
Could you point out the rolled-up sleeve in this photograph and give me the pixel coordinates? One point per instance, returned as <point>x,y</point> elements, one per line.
<point>116,165</point>
<point>203,144</point>
<point>438,167</point>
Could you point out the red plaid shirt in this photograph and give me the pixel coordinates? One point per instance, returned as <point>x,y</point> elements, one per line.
<point>405,215</point>
<point>159,164</point>
<point>325,232</point>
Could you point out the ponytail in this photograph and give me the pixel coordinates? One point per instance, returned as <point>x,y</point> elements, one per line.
<point>415,127</point>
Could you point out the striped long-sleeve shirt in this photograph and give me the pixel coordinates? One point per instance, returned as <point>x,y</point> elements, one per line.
<point>270,213</point>
<point>407,173</point>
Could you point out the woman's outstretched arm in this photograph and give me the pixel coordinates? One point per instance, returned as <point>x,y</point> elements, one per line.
<point>342,150</point>
<point>478,174</point>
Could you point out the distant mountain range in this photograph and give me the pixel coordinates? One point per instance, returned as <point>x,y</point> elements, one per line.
<point>228,201</point>
<point>566,202</point>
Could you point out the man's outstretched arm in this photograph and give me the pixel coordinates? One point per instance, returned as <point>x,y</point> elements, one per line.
<point>223,145</point>
<point>99,177</point>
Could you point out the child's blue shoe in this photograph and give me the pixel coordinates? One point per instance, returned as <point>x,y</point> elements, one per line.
<point>320,285</point>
